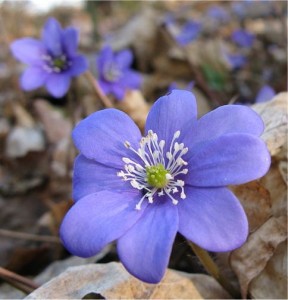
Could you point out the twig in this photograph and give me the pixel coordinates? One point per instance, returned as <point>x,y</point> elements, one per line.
<point>22,283</point>
<point>213,270</point>
<point>29,236</point>
<point>97,89</point>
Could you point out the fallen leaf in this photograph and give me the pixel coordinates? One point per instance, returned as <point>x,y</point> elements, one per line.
<point>277,187</point>
<point>251,259</point>
<point>256,201</point>
<point>56,127</point>
<point>135,106</point>
<point>22,140</point>
<point>283,170</point>
<point>53,270</point>
<point>112,281</point>
<point>274,115</point>
<point>23,117</point>
<point>271,283</point>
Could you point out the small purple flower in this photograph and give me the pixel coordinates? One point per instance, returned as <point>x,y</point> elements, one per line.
<point>189,32</point>
<point>218,13</point>
<point>115,73</point>
<point>141,190</point>
<point>52,61</point>
<point>185,34</point>
<point>236,61</point>
<point>265,94</point>
<point>243,38</point>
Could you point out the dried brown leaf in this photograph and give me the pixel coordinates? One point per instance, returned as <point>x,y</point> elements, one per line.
<point>283,170</point>
<point>55,125</point>
<point>277,187</point>
<point>271,283</point>
<point>274,115</point>
<point>256,202</point>
<point>23,117</point>
<point>251,259</point>
<point>112,281</point>
<point>135,106</point>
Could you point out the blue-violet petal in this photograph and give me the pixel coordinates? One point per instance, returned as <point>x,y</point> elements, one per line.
<point>102,135</point>
<point>145,249</point>
<point>234,158</point>
<point>98,219</point>
<point>90,177</point>
<point>213,219</point>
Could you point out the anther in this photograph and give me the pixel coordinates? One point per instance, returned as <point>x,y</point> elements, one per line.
<point>155,172</point>
<point>177,134</point>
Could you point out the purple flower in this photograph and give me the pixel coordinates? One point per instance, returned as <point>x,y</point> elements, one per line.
<point>236,61</point>
<point>265,94</point>
<point>185,34</point>
<point>141,190</point>
<point>115,74</point>
<point>52,61</point>
<point>243,38</point>
<point>189,32</point>
<point>218,13</point>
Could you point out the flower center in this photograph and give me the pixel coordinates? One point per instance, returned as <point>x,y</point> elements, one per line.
<point>111,72</point>
<point>156,172</point>
<point>59,63</point>
<point>56,64</point>
<point>156,176</point>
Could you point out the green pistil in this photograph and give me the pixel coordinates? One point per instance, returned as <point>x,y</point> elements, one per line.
<point>156,176</point>
<point>59,63</point>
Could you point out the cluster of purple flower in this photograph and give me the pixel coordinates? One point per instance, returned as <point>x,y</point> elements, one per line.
<point>53,61</point>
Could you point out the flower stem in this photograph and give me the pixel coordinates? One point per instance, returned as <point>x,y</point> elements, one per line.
<point>213,270</point>
<point>97,89</point>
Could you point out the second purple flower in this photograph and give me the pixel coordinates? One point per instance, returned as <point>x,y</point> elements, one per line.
<point>115,73</point>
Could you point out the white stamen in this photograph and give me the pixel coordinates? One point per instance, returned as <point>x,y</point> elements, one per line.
<point>151,153</point>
